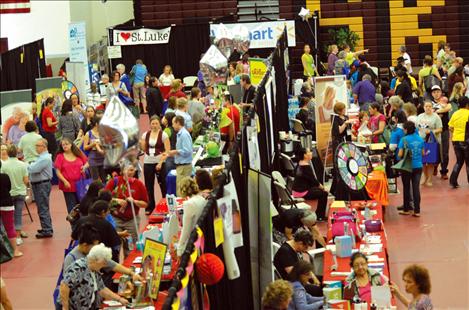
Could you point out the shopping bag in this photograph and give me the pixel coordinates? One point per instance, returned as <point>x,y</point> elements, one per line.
<point>431,152</point>
<point>6,250</point>
<point>72,244</point>
<point>126,100</point>
<point>405,164</point>
<point>82,186</point>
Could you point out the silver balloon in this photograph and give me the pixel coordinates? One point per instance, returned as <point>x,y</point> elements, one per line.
<point>214,66</point>
<point>118,132</point>
<point>224,40</point>
<point>241,40</point>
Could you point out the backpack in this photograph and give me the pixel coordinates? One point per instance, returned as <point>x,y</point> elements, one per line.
<point>71,246</point>
<point>430,80</point>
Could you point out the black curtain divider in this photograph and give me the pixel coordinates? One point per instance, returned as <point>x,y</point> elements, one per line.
<point>20,72</point>
<point>182,52</point>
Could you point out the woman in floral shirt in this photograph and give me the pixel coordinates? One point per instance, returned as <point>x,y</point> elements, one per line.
<point>82,286</point>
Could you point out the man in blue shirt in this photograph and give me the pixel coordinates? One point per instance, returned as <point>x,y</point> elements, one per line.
<point>411,180</point>
<point>182,108</point>
<point>364,92</point>
<point>139,71</point>
<point>40,174</point>
<point>183,152</point>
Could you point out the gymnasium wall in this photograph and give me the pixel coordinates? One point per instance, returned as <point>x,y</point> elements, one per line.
<point>385,25</point>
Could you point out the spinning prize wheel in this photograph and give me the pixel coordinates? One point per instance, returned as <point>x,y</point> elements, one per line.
<point>352,166</point>
<point>68,89</point>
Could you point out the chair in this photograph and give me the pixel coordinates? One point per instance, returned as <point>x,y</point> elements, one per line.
<point>286,200</point>
<point>298,125</point>
<point>189,81</point>
<point>275,248</point>
<point>289,168</point>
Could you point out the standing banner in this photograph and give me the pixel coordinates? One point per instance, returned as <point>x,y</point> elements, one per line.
<point>257,70</point>
<point>79,52</point>
<point>140,36</point>
<point>263,34</point>
<point>329,90</point>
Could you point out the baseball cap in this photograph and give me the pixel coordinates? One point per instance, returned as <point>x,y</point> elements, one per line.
<point>434,87</point>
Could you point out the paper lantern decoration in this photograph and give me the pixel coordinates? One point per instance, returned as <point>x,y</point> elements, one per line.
<point>210,269</point>
<point>352,166</point>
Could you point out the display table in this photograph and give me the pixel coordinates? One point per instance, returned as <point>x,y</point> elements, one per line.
<point>377,187</point>
<point>343,264</point>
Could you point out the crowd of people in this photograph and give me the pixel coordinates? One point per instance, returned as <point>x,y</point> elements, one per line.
<point>61,145</point>
<point>63,140</point>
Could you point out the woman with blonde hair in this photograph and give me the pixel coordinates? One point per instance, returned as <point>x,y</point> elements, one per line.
<point>325,109</point>
<point>458,92</point>
<point>410,111</point>
<point>193,208</point>
<point>176,90</point>
<point>167,77</point>
<point>277,295</point>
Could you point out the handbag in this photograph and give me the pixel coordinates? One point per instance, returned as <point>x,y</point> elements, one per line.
<point>432,154</point>
<point>6,250</point>
<point>405,164</point>
<point>71,245</point>
<point>82,186</point>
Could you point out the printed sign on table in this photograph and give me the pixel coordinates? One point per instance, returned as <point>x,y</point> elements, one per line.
<point>154,255</point>
<point>141,36</point>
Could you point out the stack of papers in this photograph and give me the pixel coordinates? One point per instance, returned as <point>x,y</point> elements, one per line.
<point>371,248</point>
<point>373,239</point>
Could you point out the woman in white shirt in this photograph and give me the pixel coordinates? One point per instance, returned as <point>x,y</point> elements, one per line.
<point>155,143</point>
<point>167,76</point>
<point>193,208</point>
<point>429,122</point>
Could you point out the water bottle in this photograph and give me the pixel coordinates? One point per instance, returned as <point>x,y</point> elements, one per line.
<point>130,243</point>
<point>367,213</point>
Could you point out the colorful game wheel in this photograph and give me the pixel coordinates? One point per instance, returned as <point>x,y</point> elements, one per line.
<point>68,89</point>
<point>352,166</point>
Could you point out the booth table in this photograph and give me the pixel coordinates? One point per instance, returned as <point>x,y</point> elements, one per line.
<point>343,264</point>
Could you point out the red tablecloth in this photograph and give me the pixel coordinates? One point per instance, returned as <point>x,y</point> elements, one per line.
<point>343,264</point>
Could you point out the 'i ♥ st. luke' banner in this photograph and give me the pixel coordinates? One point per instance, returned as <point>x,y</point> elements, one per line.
<point>141,36</point>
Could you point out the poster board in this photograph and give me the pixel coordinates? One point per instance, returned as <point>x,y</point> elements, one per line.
<point>329,90</point>
<point>15,99</point>
<point>49,87</point>
<point>154,255</point>
<point>77,72</point>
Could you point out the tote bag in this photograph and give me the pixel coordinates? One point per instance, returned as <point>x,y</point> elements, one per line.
<point>432,154</point>
<point>405,164</point>
<point>82,186</point>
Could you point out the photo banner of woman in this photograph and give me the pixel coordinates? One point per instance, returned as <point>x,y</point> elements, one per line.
<point>329,91</point>
<point>154,255</point>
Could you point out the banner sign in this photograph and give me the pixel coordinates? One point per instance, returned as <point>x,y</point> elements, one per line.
<point>140,36</point>
<point>263,34</point>
<point>114,52</point>
<point>79,52</point>
<point>257,70</point>
<point>329,90</point>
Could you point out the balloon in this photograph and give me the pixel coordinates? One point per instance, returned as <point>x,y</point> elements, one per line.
<point>224,40</point>
<point>241,39</point>
<point>118,131</point>
<point>305,14</point>
<point>212,148</point>
<point>213,66</point>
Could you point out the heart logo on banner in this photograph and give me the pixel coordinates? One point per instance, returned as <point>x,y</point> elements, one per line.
<point>125,35</point>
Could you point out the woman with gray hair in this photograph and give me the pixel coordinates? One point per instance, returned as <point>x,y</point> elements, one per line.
<point>82,286</point>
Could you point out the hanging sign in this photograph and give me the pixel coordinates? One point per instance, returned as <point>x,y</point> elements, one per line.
<point>257,70</point>
<point>263,34</point>
<point>114,52</point>
<point>140,36</point>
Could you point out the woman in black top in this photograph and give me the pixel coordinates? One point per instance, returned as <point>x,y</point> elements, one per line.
<point>307,186</point>
<point>304,115</point>
<point>340,133</point>
<point>404,89</point>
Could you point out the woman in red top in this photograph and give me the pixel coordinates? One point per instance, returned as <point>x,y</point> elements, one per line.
<point>49,125</point>
<point>121,201</point>
<point>69,164</point>
<point>377,122</point>
<point>176,90</point>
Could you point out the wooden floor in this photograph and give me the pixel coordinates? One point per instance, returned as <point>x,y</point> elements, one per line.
<point>438,240</point>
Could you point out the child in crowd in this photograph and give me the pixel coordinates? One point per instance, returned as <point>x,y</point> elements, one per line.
<point>360,131</point>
